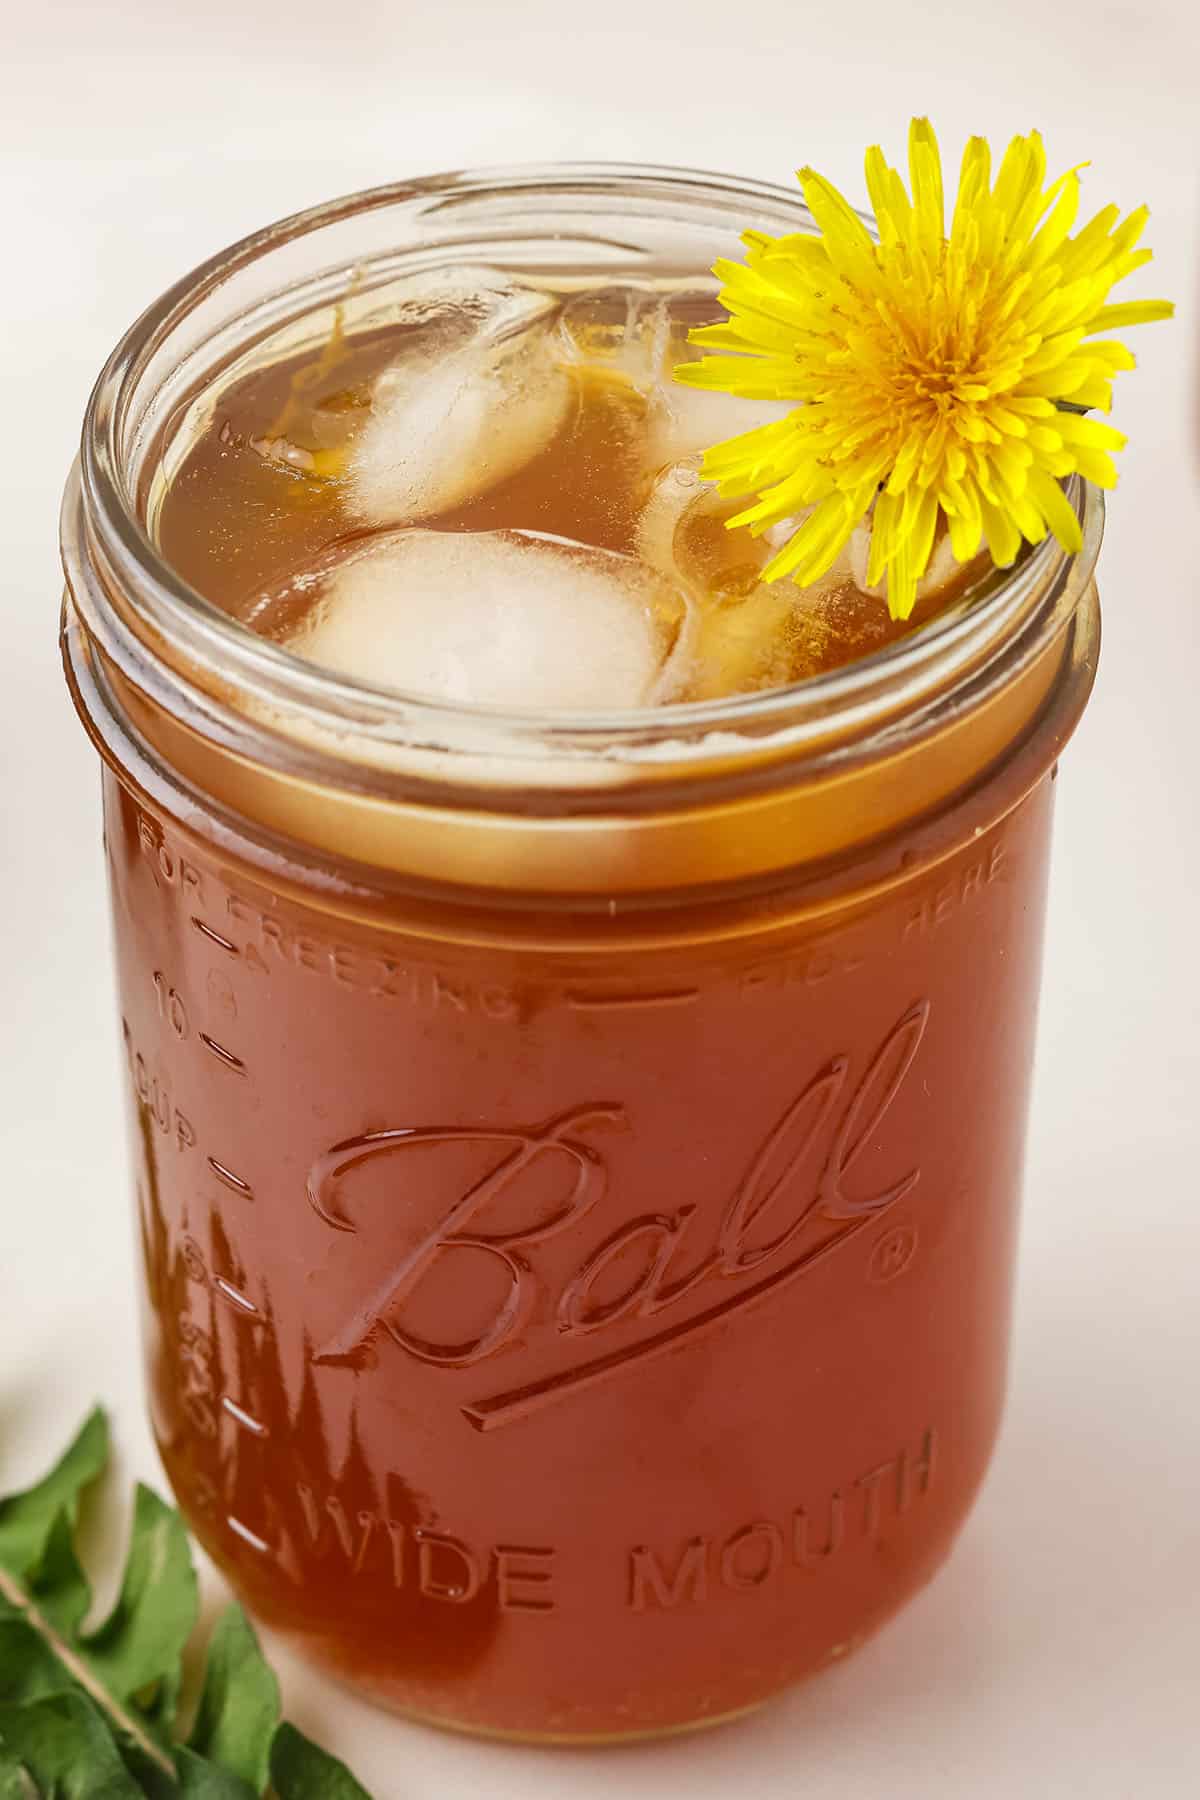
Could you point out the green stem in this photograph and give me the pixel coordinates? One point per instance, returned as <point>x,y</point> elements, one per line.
<point>79,1672</point>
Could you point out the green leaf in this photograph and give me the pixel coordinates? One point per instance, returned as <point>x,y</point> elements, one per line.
<point>64,1744</point>
<point>239,1707</point>
<point>129,1669</point>
<point>139,1648</point>
<point>16,1783</point>
<point>200,1780</point>
<point>29,1669</point>
<point>302,1771</point>
<point>27,1519</point>
<point>58,1585</point>
<point>91,1715</point>
<point>155,1781</point>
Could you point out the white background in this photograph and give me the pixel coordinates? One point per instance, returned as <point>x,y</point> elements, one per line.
<point>1060,1652</point>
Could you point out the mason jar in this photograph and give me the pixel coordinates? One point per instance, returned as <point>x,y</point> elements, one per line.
<point>576,1160</point>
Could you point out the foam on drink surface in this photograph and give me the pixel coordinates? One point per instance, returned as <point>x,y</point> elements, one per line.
<point>493,497</point>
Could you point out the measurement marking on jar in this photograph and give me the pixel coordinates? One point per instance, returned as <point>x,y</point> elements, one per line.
<point>154,1098</point>
<point>249,1537</point>
<point>617,1002</point>
<point>235,1296</point>
<point>242,1417</point>
<point>170,1005</point>
<point>214,937</point>
<point>230,1061</point>
<point>226,1175</point>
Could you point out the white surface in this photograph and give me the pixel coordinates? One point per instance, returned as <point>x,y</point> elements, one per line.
<point>1061,1650</point>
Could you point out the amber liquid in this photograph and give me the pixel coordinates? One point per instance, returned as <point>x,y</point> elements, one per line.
<point>564,1332</point>
<point>264,492</point>
<point>569,1319</point>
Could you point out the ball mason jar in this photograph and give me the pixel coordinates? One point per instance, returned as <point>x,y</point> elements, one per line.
<point>576,1160</point>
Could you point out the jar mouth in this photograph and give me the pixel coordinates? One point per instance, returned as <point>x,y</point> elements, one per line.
<point>212,662</point>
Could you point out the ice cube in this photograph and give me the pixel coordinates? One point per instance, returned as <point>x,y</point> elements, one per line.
<point>478,397</point>
<point>496,618</point>
<point>747,633</point>
<point>942,571</point>
<point>626,330</point>
<point>740,634</point>
<point>462,301</point>
<point>639,334</point>
<point>682,531</point>
<point>684,420</point>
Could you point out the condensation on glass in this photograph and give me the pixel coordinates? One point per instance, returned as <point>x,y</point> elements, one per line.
<point>576,1164</point>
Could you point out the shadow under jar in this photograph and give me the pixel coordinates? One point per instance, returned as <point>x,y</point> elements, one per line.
<point>577,1162</point>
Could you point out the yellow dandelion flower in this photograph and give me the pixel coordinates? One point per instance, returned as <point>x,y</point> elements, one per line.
<point>941,380</point>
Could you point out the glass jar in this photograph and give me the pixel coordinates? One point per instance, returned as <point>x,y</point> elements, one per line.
<point>577,1164</point>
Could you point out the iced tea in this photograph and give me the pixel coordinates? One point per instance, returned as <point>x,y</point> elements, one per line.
<point>577,1161</point>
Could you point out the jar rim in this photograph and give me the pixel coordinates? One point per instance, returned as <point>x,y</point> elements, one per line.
<point>108,549</point>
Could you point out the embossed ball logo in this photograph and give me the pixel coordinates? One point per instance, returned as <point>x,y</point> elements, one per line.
<point>794,1206</point>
